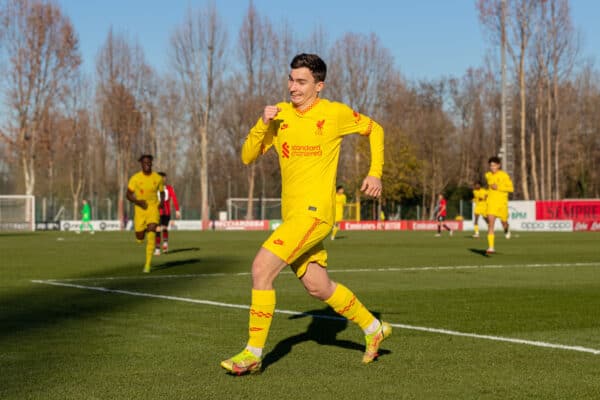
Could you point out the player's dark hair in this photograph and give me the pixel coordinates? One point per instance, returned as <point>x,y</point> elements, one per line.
<point>313,62</point>
<point>149,156</point>
<point>163,174</point>
<point>339,187</point>
<point>495,160</point>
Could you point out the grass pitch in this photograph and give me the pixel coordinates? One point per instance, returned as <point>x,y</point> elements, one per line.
<point>79,320</point>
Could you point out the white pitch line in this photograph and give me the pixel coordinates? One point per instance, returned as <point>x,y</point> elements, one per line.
<point>290,312</point>
<point>344,270</point>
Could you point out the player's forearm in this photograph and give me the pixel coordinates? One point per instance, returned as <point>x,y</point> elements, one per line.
<point>253,145</point>
<point>131,197</point>
<point>377,147</point>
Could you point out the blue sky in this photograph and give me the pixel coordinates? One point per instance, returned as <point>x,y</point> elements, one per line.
<point>428,38</point>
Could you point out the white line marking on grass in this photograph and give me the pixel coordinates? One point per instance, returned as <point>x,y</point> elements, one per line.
<point>290,312</point>
<point>344,270</point>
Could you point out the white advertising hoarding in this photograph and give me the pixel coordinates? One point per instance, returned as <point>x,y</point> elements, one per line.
<point>99,225</point>
<point>543,226</point>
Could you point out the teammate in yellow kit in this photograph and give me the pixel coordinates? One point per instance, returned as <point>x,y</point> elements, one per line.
<point>480,204</point>
<point>340,203</point>
<point>142,191</point>
<point>307,134</point>
<point>499,186</point>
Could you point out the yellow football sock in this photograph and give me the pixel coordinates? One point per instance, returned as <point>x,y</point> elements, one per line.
<point>476,228</point>
<point>345,303</point>
<point>261,316</point>
<point>491,241</point>
<point>150,238</point>
<point>334,231</point>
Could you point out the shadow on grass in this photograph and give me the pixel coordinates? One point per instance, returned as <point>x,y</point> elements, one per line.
<point>340,237</point>
<point>173,264</point>
<point>323,329</point>
<point>47,306</point>
<point>480,252</point>
<point>183,250</point>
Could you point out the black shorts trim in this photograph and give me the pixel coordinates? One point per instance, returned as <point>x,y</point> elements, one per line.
<point>164,220</point>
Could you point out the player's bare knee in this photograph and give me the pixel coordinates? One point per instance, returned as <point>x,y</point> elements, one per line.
<point>318,285</point>
<point>263,275</point>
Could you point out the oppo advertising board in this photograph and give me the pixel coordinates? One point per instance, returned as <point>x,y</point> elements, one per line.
<point>99,225</point>
<point>186,225</point>
<point>561,225</point>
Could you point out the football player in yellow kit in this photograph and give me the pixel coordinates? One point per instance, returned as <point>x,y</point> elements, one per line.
<point>480,206</point>
<point>142,191</point>
<point>499,186</point>
<point>306,133</point>
<point>340,203</point>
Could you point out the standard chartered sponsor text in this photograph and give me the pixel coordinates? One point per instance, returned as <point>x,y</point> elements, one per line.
<point>306,150</point>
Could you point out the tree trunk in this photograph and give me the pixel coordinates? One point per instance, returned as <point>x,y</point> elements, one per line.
<point>524,179</point>
<point>534,175</point>
<point>548,156</point>
<point>121,182</point>
<point>204,175</point>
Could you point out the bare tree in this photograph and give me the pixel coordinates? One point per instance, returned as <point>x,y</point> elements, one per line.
<point>360,71</point>
<point>253,46</point>
<point>41,52</point>
<point>78,136</point>
<point>118,66</point>
<point>562,48</point>
<point>198,47</point>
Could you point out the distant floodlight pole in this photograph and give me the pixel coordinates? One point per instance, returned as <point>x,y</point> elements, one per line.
<point>503,148</point>
<point>506,148</point>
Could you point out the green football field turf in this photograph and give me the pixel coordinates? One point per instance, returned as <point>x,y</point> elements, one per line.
<point>79,319</point>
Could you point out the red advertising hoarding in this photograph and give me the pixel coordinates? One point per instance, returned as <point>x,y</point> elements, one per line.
<point>575,210</point>
<point>242,225</point>
<point>433,225</point>
<point>373,225</point>
<point>586,225</point>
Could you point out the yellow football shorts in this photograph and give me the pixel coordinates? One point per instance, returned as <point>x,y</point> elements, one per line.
<point>299,241</point>
<point>500,210</point>
<point>143,218</point>
<point>481,209</point>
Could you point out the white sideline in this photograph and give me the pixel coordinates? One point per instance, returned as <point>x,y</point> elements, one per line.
<point>335,271</point>
<point>402,326</point>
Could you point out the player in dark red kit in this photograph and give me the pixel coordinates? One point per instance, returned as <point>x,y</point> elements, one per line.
<point>165,216</point>
<point>440,215</point>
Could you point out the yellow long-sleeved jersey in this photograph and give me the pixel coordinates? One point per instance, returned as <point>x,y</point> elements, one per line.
<point>145,187</point>
<point>504,187</point>
<point>308,145</point>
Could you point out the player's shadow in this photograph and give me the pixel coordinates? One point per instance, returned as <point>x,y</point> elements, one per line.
<point>340,237</point>
<point>173,251</point>
<point>177,263</point>
<point>323,329</point>
<point>480,252</point>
